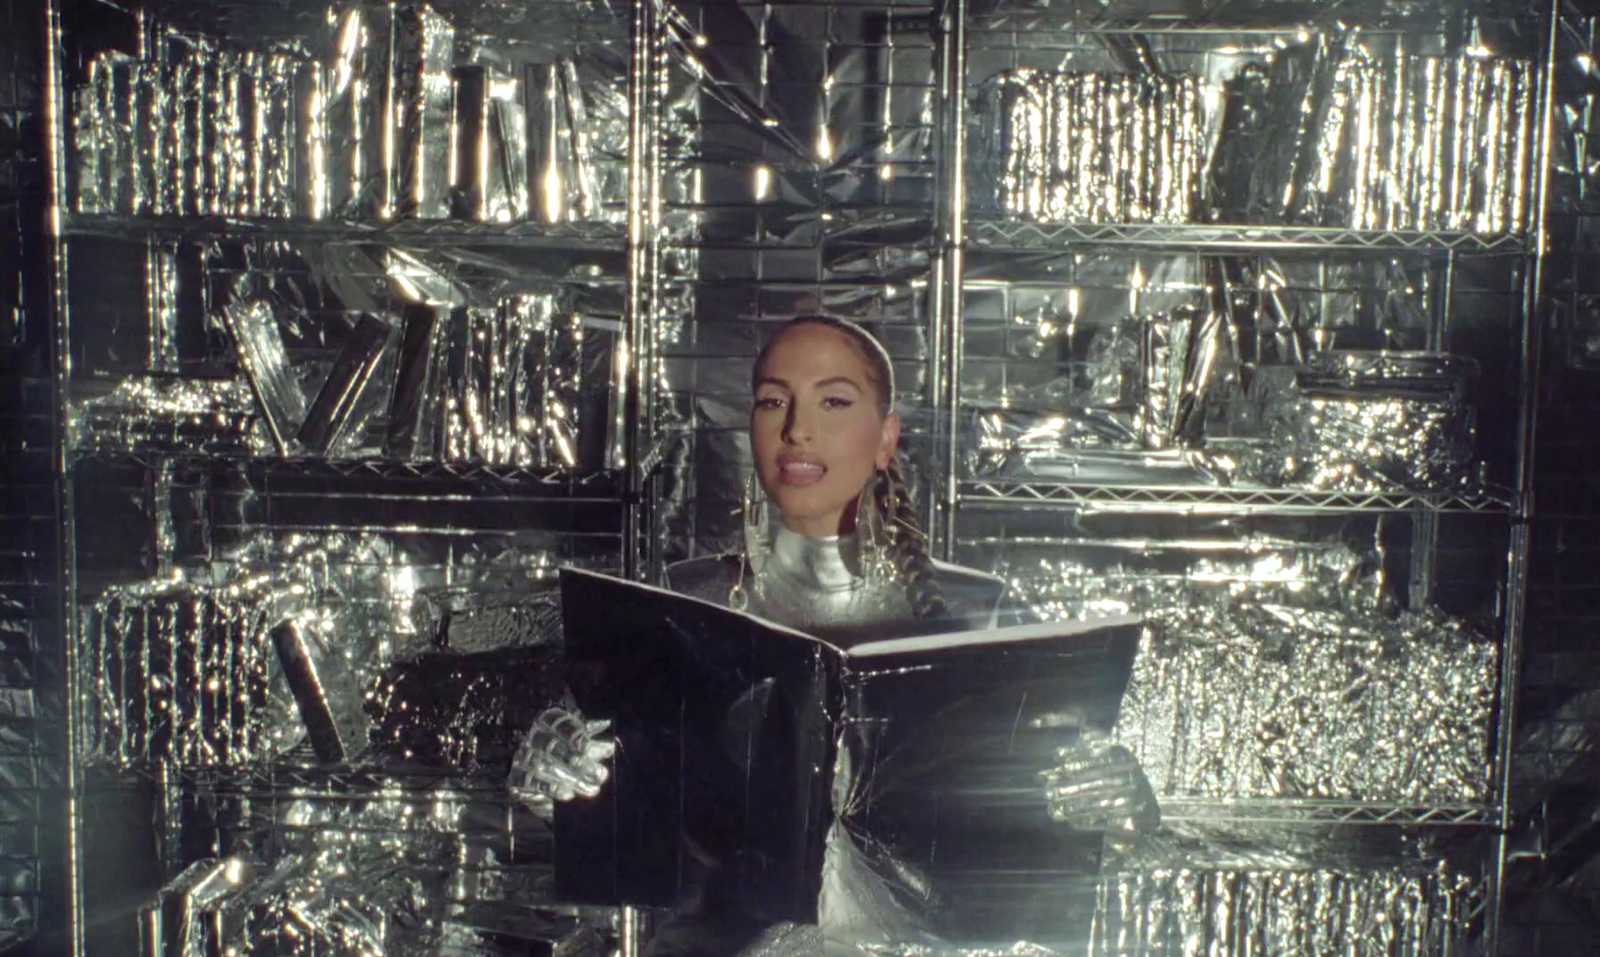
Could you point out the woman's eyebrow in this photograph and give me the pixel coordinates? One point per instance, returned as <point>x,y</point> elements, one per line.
<point>838,380</point>
<point>821,383</point>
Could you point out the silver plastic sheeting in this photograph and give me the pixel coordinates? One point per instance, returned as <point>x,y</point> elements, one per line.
<point>155,415</point>
<point>383,114</point>
<point>1328,133</point>
<point>1278,913</point>
<point>1260,700</point>
<point>1090,147</point>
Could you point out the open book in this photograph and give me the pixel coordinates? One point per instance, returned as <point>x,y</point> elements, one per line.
<point>739,742</point>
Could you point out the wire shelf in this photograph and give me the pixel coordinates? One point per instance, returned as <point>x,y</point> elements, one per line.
<point>557,481</point>
<point>1176,498</point>
<point>1025,237</point>
<point>1301,811</point>
<point>403,232</point>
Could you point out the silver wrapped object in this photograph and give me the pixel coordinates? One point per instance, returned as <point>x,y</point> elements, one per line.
<point>1330,134</point>
<point>1250,699</point>
<point>1358,422</point>
<point>424,51</point>
<point>1092,147</point>
<point>376,121</point>
<point>253,325</point>
<point>157,415</point>
<point>1284,913</point>
<point>178,671</point>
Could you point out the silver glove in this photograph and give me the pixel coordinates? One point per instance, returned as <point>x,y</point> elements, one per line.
<point>1099,786</point>
<point>563,757</point>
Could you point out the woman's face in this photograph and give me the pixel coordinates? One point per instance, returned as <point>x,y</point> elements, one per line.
<point>816,429</point>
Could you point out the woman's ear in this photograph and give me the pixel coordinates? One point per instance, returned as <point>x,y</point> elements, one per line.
<point>889,441</point>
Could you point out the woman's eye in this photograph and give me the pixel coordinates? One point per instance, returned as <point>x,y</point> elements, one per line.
<point>769,402</point>
<point>837,402</point>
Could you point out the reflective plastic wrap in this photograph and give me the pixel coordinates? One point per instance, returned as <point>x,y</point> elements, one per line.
<point>1091,147</point>
<point>153,415</point>
<point>1251,699</point>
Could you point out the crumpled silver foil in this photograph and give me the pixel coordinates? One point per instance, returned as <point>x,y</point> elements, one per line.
<point>365,119</point>
<point>468,621</point>
<point>372,879</point>
<point>512,385</point>
<point>1329,133</point>
<point>1248,699</point>
<point>398,872</point>
<point>178,671</point>
<point>1141,385</point>
<point>1093,147</point>
<point>1352,421</point>
<point>350,598</point>
<point>1294,913</point>
<point>170,415</point>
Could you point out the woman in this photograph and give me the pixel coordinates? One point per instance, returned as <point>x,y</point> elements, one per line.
<point>843,558</point>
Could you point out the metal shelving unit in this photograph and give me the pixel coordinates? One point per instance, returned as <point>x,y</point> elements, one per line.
<point>422,505</point>
<point>1009,37</point>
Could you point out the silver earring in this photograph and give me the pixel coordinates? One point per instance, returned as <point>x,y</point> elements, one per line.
<point>755,519</point>
<point>872,534</point>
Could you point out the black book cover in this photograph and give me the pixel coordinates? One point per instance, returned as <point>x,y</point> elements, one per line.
<point>729,734</point>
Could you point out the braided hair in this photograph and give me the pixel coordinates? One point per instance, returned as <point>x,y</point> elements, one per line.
<point>891,496</point>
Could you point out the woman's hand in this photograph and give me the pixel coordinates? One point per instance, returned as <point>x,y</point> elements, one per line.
<point>1099,786</point>
<point>562,758</point>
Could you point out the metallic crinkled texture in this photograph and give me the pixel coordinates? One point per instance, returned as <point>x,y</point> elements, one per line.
<point>152,415</point>
<point>1250,699</point>
<point>1295,913</point>
<point>1356,422</point>
<point>1279,676</point>
<point>359,121</point>
<point>1092,147</point>
<point>1328,133</point>
<point>178,671</point>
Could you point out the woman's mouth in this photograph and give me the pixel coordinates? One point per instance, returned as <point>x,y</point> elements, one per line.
<point>801,473</point>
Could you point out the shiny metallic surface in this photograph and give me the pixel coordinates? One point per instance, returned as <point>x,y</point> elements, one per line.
<point>625,212</point>
<point>1086,147</point>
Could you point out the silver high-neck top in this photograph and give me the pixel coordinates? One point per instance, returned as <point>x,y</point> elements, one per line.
<point>816,585</point>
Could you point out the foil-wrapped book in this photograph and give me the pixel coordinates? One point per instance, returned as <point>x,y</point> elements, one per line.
<point>747,753</point>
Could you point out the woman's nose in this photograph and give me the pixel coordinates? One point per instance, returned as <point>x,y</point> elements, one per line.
<point>798,426</point>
